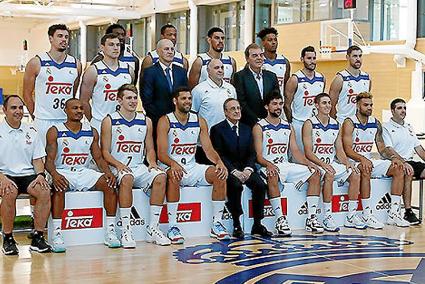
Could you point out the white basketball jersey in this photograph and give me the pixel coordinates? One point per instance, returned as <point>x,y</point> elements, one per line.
<point>73,148</point>
<point>54,85</point>
<point>278,67</point>
<point>128,139</point>
<point>227,62</point>
<point>177,60</point>
<point>323,139</point>
<point>364,135</point>
<point>351,87</point>
<point>275,140</point>
<point>104,98</point>
<point>182,139</point>
<point>128,57</point>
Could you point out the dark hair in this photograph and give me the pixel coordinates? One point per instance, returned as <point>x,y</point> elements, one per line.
<point>53,28</point>
<point>7,99</point>
<point>363,95</point>
<point>353,48</point>
<point>396,101</point>
<point>70,100</point>
<point>274,95</point>
<point>307,49</point>
<point>126,87</point>
<point>112,27</point>
<point>264,32</point>
<point>249,47</point>
<point>214,30</point>
<point>167,26</point>
<point>181,89</point>
<point>319,96</point>
<point>106,37</point>
<point>228,101</point>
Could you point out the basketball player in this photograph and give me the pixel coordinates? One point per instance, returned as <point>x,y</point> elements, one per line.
<point>300,91</point>
<point>273,137</point>
<point>274,62</point>
<point>347,84</point>
<point>178,134</point>
<point>198,73</point>
<point>322,144</point>
<point>101,81</point>
<point>359,133</point>
<point>68,147</point>
<point>126,137</point>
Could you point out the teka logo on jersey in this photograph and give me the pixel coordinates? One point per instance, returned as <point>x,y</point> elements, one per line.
<point>186,212</point>
<point>308,99</point>
<point>362,147</point>
<point>57,88</point>
<point>351,97</point>
<point>323,149</point>
<point>268,209</point>
<point>340,203</point>
<point>276,148</point>
<point>384,203</point>
<point>182,149</point>
<point>110,95</point>
<point>135,218</point>
<point>128,146</point>
<point>73,159</point>
<point>87,218</point>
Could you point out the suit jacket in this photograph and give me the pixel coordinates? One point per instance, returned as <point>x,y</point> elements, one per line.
<point>155,93</point>
<point>249,95</point>
<point>234,155</point>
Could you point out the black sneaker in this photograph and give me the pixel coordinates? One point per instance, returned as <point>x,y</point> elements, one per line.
<point>9,246</point>
<point>39,244</point>
<point>410,217</point>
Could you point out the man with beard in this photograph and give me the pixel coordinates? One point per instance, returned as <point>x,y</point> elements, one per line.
<point>348,84</point>
<point>178,134</point>
<point>198,73</point>
<point>68,148</point>
<point>300,92</point>
<point>322,144</point>
<point>359,133</point>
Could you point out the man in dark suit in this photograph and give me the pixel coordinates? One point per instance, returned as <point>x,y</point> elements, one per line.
<point>234,143</point>
<point>159,81</point>
<point>252,84</point>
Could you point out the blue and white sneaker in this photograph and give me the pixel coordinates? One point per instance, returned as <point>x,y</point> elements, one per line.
<point>329,224</point>
<point>175,235</point>
<point>355,222</point>
<point>111,240</point>
<point>58,243</point>
<point>219,232</point>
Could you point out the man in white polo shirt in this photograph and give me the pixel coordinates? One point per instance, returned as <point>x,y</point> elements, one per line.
<point>208,98</point>
<point>400,136</point>
<point>21,171</point>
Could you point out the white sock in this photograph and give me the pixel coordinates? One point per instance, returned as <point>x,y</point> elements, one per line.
<point>155,212</point>
<point>172,213</point>
<point>125,218</point>
<point>110,223</point>
<point>218,208</point>
<point>352,207</point>
<point>277,207</point>
<point>395,203</point>
<point>327,207</point>
<point>367,211</point>
<point>57,224</point>
<point>312,203</point>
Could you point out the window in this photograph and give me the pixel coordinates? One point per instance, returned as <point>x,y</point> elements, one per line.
<point>181,21</point>
<point>74,43</point>
<point>263,11</point>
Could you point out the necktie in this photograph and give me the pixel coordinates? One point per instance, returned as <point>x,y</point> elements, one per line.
<point>234,129</point>
<point>168,76</point>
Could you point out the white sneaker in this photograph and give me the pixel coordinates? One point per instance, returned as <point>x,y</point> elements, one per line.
<point>127,239</point>
<point>282,227</point>
<point>329,224</point>
<point>175,235</point>
<point>396,220</point>
<point>373,223</point>
<point>156,236</point>
<point>111,239</point>
<point>219,232</point>
<point>313,225</point>
<point>58,244</point>
<point>354,222</point>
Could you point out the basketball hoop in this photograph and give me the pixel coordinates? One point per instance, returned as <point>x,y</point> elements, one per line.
<point>326,51</point>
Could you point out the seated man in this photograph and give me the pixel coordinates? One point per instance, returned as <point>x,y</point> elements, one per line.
<point>68,148</point>
<point>126,137</point>
<point>322,144</point>
<point>359,133</point>
<point>273,136</point>
<point>178,134</point>
<point>400,136</point>
<point>21,171</point>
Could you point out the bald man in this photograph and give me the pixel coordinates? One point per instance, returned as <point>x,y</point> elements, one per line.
<point>159,82</point>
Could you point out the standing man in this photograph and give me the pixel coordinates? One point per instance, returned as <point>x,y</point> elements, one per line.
<point>273,137</point>
<point>126,137</point>
<point>208,98</point>
<point>68,148</point>
<point>127,55</point>
<point>233,142</point>
<point>102,80</point>
<point>300,92</point>
<point>322,144</point>
<point>359,133</point>
<point>21,171</point>
<point>53,77</point>
<point>400,136</point>
<point>274,62</point>
<point>348,84</point>
<point>178,134</point>
<point>198,73</point>
<point>253,84</point>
